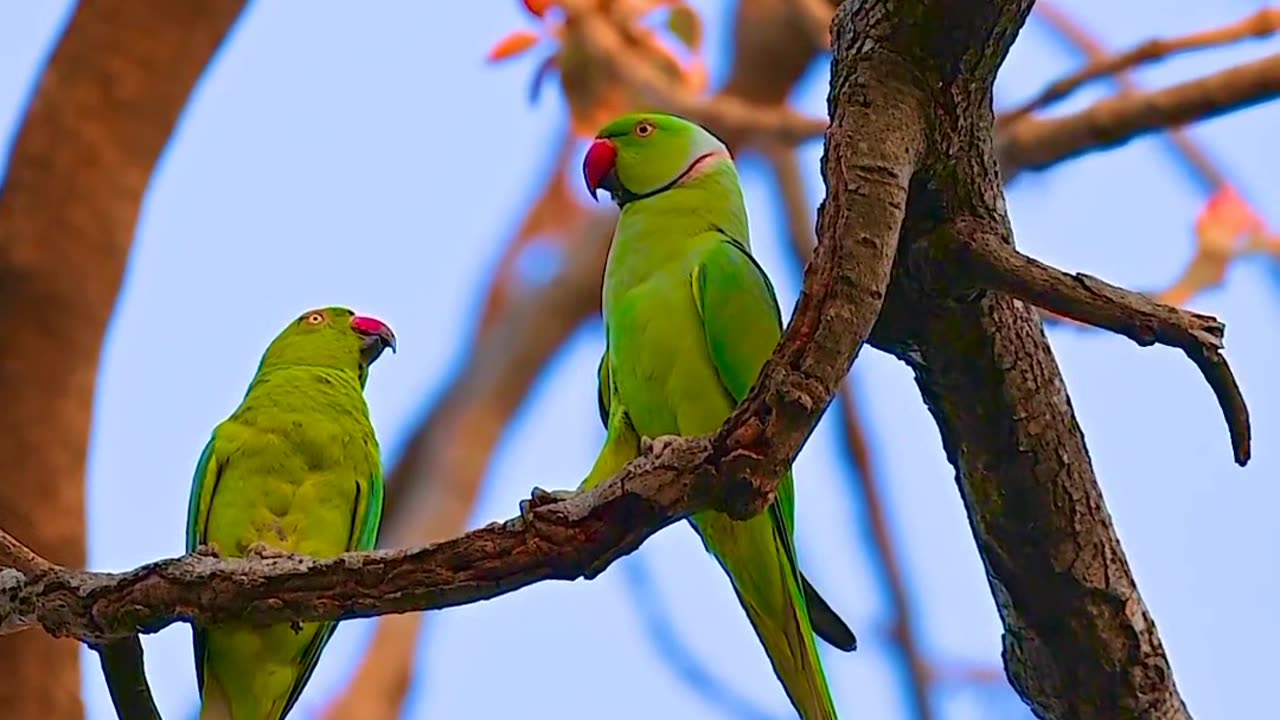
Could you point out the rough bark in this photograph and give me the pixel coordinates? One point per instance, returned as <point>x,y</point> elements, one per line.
<point>104,109</point>
<point>1079,642</point>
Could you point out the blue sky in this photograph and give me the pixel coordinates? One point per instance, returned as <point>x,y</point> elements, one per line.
<point>364,154</point>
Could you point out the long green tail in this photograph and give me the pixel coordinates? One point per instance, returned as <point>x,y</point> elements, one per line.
<point>761,564</point>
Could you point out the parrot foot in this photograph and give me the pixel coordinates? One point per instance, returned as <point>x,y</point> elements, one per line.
<point>539,497</point>
<point>657,445</point>
<point>263,551</point>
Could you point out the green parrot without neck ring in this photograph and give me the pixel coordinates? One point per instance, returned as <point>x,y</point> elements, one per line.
<point>690,318</point>
<point>296,468</point>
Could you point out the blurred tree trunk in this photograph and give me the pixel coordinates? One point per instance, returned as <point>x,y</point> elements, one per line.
<point>104,110</point>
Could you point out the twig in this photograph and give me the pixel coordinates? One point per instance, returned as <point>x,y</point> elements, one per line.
<point>1262,23</point>
<point>1034,144</point>
<point>1094,302</point>
<point>723,113</point>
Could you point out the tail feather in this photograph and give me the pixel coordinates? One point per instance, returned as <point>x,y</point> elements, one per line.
<point>768,586</point>
<point>214,704</point>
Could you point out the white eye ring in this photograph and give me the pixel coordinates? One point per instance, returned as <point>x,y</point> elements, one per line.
<point>315,318</point>
<point>644,128</point>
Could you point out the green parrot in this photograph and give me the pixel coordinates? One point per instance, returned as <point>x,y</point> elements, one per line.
<point>690,318</point>
<point>296,468</point>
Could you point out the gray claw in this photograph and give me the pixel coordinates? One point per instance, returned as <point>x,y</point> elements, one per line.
<point>539,497</point>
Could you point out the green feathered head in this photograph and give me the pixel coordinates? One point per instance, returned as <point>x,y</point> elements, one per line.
<point>640,155</point>
<point>332,337</point>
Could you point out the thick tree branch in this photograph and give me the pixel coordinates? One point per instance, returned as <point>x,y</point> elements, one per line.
<point>1079,642</point>
<point>103,112</point>
<point>1034,144</point>
<point>1089,300</point>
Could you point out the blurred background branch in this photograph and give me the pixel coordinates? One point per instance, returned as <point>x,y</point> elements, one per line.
<point>106,104</point>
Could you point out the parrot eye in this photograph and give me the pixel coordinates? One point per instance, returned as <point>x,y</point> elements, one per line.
<point>315,318</point>
<point>644,128</point>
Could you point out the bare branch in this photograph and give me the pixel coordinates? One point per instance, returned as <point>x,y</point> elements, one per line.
<point>1034,144</point>
<point>1262,23</point>
<point>1091,301</point>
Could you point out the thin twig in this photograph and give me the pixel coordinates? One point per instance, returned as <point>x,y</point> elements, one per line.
<point>1262,23</point>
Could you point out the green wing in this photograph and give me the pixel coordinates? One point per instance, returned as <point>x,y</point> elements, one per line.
<point>742,323</point>
<point>364,536</point>
<point>205,481</point>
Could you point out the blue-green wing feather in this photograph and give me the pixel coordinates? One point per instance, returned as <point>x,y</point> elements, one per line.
<point>203,484</point>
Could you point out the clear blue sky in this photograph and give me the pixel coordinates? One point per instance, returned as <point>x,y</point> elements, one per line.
<point>364,154</point>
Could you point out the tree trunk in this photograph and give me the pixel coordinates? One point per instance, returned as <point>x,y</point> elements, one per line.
<point>104,110</point>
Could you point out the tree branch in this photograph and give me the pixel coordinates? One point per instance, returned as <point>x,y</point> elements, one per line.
<point>1086,299</point>
<point>1034,144</point>
<point>735,471</point>
<point>1079,642</point>
<point>1262,23</point>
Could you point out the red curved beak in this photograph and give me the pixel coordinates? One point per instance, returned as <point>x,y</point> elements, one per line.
<point>377,335</point>
<point>598,165</point>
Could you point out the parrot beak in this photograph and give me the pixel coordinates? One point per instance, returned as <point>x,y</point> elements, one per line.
<point>375,337</point>
<point>598,167</point>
